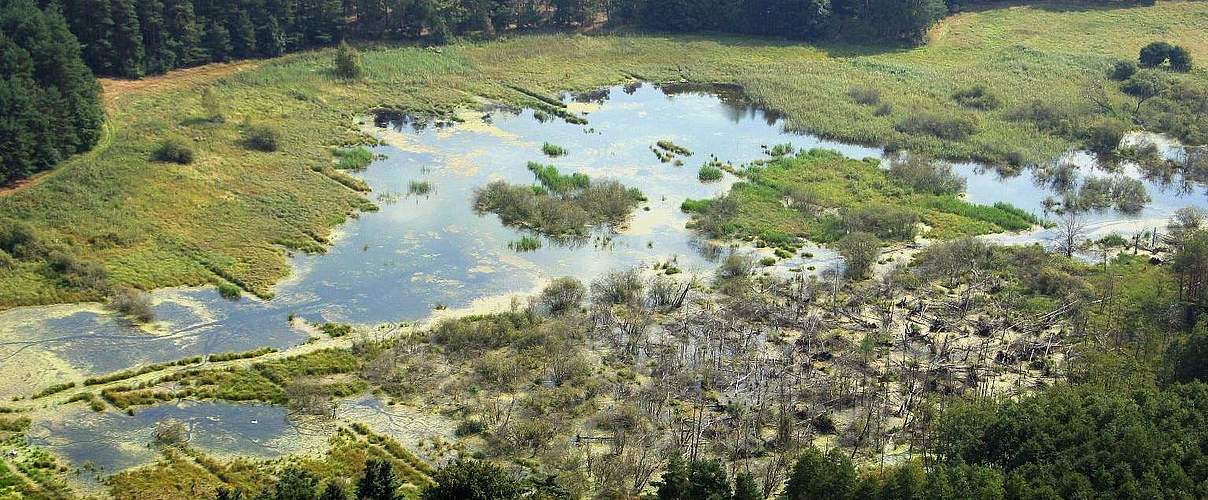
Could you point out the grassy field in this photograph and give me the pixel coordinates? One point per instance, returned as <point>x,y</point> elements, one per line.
<point>229,216</point>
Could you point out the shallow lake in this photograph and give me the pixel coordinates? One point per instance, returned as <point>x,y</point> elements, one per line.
<point>424,252</point>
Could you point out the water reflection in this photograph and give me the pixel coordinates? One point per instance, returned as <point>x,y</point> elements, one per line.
<point>427,249</point>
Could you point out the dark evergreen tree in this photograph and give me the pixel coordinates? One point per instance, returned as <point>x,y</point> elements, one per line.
<point>157,58</point>
<point>674,483</point>
<point>295,484</point>
<point>127,40</point>
<point>378,483</point>
<point>745,487</point>
<point>472,480</point>
<point>217,41</point>
<point>243,35</point>
<point>43,74</point>
<point>334,491</point>
<point>708,481</point>
<point>184,33</point>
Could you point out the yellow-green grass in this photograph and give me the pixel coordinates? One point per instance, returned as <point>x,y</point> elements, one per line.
<point>229,216</point>
<point>836,184</point>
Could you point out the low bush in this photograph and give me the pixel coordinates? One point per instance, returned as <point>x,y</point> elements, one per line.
<point>355,158</point>
<point>977,97</point>
<point>709,173</point>
<point>1122,70</point>
<point>132,303</point>
<point>866,96</point>
<point>926,176</point>
<point>262,138</point>
<point>944,126</point>
<point>173,150</point>
<point>229,291</point>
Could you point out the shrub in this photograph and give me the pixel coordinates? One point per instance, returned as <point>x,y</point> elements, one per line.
<point>617,287</point>
<point>884,221</point>
<point>173,150</point>
<point>78,273</point>
<point>7,261</point>
<point>262,138</point>
<point>767,261</point>
<point>132,303</point>
<point>348,63</point>
<point>1180,59</point>
<point>469,428</point>
<point>562,295</point>
<point>947,127</point>
<point>859,251</point>
<point>1154,54</point>
<point>211,105</point>
<point>926,176</point>
<point>355,158</point>
<point>735,266</point>
<point>1122,70</point>
<point>866,96</point>
<point>709,173</point>
<point>977,97</point>
<point>229,290</point>
<point>1046,116</point>
<point>1103,135</point>
<point>1159,53</point>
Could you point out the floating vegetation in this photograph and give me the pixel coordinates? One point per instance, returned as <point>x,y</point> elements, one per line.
<point>354,158</point>
<point>557,182</point>
<point>419,188</point>
<point>525,244</point>
<point>673,148</point>
<point>561,206</point>
<point>388,197</point>
<point>709,173</point>
<point>781,150</point>
<point>553,150</point>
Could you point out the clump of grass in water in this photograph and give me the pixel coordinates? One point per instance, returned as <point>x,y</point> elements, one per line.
<point>355,158</point>
<point>709,173</point>
<point>673,148</point>
<point>553,150</point>
<point>419,188</point>
<point>557,182</point>
<point>525,244</point>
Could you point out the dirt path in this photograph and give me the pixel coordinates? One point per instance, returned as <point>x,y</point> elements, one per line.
<point>115,89</point>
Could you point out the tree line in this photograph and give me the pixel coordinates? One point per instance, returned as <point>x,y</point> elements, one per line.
<point>133,38</point>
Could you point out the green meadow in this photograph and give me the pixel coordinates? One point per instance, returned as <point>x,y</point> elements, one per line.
<point>231,216</point>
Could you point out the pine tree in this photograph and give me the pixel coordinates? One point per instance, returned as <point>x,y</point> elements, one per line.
<point>745,487</point>
<point>217,41</point>
<point>50,100</point>
<point>334,491</point>
<point>127,40</point>
<point>156,56</point>
<point>708,481</point>
<point>243,35</point>
<point>674,484</point>
<point>295,484</point>
<point>378,483</point>
<point>92,23</point>
<point>184,34</point>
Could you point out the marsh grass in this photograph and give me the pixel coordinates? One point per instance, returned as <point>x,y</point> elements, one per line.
<point>525,244</point>
<point>420,188</point>
<point>354,158</point>
<point>216,224</point>
<point>553,150</point>
<point>709,173</point>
